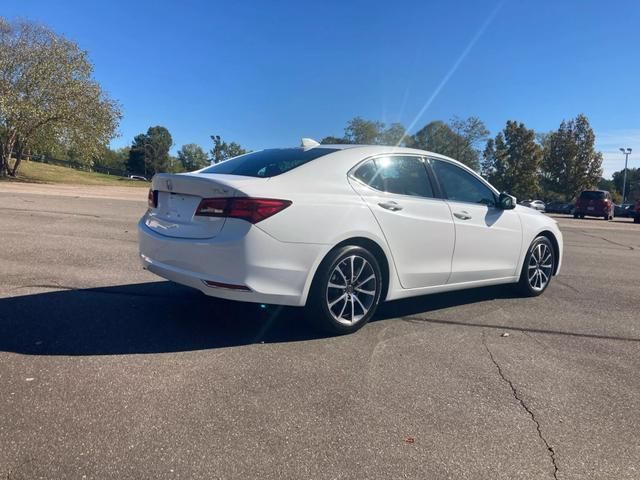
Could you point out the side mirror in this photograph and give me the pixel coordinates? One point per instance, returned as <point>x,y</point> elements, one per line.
<point>506,201</point>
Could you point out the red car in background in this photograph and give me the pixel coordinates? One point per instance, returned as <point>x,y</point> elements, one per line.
<point>594,203</point>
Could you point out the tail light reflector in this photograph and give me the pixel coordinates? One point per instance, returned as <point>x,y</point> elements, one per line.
<point>228,286</point>
<point>252,210</point>
<point>152,199</point>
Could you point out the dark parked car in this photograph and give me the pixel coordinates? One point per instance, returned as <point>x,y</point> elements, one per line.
<point>636,213</point>
<point>625,210</point>
<point>594,203</point>
<point>560,207</point>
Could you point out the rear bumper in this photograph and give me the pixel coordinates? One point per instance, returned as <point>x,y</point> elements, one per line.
<point>274,272</point>
<point>596,212</point>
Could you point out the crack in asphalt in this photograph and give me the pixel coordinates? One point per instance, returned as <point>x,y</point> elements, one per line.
<point>514,392</point>
<point>10,473</point>
<point>607,240</point>
<point>565,284</point>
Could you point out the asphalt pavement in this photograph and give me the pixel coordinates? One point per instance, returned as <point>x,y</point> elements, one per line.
<point>107,371</point>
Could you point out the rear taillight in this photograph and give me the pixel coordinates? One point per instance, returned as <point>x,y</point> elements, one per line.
<point>152,199</point>
<point>252,210</point>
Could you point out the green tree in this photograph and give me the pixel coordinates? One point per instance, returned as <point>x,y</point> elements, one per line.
<point>47,94</point>
<point>610,186</point>
<point>109,159</point>
<point>149,153</point>
<point>571,163</point>
<point>363,132</point>
<point>331,140</point>
<point>436,136</point>
<point>192,157</point>
<point>633,183</point>
<point>222,150</point>
<point>511,161</point>
<point>459,139</point>
<point>393,135</point>
<point>368,132</point>
<point>471,133</point>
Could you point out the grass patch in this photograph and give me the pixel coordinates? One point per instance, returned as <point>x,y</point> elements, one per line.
<point>36,172</point>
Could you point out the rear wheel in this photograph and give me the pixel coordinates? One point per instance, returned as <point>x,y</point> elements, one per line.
<point>538,268</point>
<point>346,290</point>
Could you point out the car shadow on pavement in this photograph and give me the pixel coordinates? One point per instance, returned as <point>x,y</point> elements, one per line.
<point>163,317</point>
<point>140,318</point>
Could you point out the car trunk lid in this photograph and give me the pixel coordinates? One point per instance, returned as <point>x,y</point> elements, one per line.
<point>178,197</point>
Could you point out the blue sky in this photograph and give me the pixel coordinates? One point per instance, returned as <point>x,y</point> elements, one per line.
<point>265,73</point>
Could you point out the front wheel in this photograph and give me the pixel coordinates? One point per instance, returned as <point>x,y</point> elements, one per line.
<point>346,290</point>
<point>538,268</point>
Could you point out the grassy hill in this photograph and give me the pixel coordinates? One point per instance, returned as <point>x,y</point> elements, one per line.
<point>35,172</point>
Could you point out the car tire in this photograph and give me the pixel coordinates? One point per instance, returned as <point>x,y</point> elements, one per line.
<point>538,267</point>
<point>346,290</point>
<point>575,215</point>
<point>636,219</point>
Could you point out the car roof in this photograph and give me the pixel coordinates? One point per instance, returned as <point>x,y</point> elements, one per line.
<point>382,148</point>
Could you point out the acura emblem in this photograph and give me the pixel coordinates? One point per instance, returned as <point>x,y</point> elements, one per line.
<point>169,185</point>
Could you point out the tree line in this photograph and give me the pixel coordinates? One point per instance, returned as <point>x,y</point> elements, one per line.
<point>555,165</point>
<point>149,153</point>
<point>51,105</point>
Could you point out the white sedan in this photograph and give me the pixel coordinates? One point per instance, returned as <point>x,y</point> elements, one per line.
<point>535,204</point>
<point>341,228</point>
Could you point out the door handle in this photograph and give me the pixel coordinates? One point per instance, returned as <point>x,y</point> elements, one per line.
<point>393,206</point>
<point>462,215</point>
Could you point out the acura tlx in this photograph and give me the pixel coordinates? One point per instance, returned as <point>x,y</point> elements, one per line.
<point>341,228</point>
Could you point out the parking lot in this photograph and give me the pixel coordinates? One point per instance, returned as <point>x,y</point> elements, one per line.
<point>107,371</point>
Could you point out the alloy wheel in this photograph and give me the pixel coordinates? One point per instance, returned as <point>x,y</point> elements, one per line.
<point>351,291</point>
<point>540,267</point>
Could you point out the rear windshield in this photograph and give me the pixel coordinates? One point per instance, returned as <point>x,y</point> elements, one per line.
<point>592,195</point>
<point>268,163</point>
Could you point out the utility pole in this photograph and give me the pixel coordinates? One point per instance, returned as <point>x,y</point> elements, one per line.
<point>626,154</point>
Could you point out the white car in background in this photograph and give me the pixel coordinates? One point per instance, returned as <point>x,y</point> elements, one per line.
<point>535,204</point>
<point>341,228</point>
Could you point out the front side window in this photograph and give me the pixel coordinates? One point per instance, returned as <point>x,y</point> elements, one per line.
<point>396,174</point>
<point>460,186</point>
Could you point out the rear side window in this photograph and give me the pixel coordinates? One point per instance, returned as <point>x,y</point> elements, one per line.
<point>592,195</point>
<point>460,186</point>
<point>268,163</point>
<point>396,174</point>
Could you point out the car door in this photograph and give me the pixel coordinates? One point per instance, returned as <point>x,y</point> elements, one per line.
<point>488,239</point>
<point>417,226</point>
